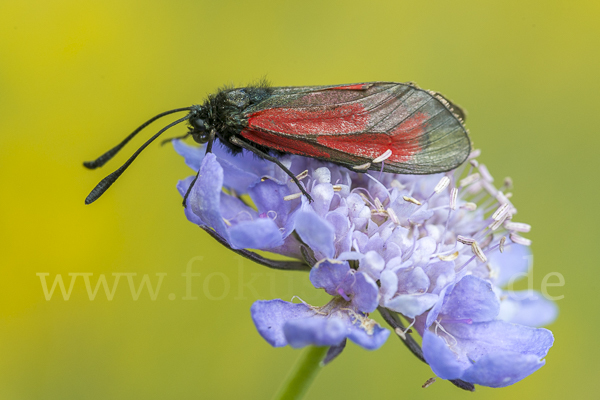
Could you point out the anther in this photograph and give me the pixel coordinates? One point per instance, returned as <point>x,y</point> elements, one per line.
<point>383,157</point>
<point>478,252</point>
<point>292,196</point>
<point>465,240</point>
<point>411,200</point>
<point>302,175</point>
<point>442,184</point>
<point>475,153</point>
<point>362,167</point>
<point>501,246</point>
<point>428,383</point>
<point>393,216</point>
<point>474,163</point>
<point>517,227</point>
<point>453,197</point>
<point>499,213</point>
<point>469,179</point>
<point>520,239</point>
<point>469,206</point>
<point>337,188</point>
<point>449,257</point>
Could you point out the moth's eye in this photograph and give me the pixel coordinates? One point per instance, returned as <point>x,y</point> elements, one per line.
<point>198,124</point>
<point>200,136</point>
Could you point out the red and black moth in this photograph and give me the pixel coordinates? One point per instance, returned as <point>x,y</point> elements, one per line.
<point>397,127</point>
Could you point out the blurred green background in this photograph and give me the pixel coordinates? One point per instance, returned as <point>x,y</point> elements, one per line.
<point>77,76</point>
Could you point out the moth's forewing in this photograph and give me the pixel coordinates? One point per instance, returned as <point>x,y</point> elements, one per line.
<point>354,124</point>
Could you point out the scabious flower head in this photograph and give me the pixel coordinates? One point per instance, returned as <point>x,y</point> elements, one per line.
<point>434,249</point>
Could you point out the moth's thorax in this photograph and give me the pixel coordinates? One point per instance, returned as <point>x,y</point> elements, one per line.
<point>224,111</point>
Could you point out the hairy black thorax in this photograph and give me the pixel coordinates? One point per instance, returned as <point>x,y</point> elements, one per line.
<point>224,111</point>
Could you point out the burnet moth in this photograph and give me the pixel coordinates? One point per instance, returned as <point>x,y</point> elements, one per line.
<point>394,127</point>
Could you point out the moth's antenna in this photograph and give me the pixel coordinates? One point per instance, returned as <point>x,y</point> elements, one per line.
<point>110,179</point>
<point>100,161</point>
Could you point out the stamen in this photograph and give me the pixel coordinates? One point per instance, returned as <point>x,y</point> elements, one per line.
<point>362,167</point>
<point>378,204</point>
<point>453,197</point>
<point>517,227</point>
<point>387,154</point>
<point>393,216</point>
<point>520,239</point>
<point>226,222</point>
<point>292,196</point>
<point>302,175</point>
<point>428,383</point>
<point>500,212</point>
<point>337,188</point>
<point>449,257</point>
<point>469,206</point>
<point>496,224</point>
<point>502,241</point>
<point>474,163</point>
<point>411,200</point>
<point>485,174</point>
<point>475,153</point>
<point>508,183</point>
<point>469,179</point>
<point>478,252</point>
<point>400,333</point>
<point>465,240</point>
<point>397,184</point>
<point>442,184</point>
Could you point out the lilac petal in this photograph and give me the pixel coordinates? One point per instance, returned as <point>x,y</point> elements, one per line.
<point>261,233</point>
<point>329,275</point>
<point>472,298</point>
<point>389,285</point>
<point>502,369</point>
<point>441,359</point>
<point>412,305</point>
<point>527,308</point>
<point>205,196</point>
<point>482,338</point>
<point>315,331</point>
<point>369,341</point>
<point>316,232</point>
<point>511,265</point>
<point>372,264</point>
<point>322,195</point>
<point>270,317</point>
<point>441,274</point>
<point>423,251</point>
<point>364,292</point>
<point>182,187</point>
<point>413,281</point>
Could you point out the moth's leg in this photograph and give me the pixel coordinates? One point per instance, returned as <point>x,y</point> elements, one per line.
<point>266,156</point>
<point>187,193</point>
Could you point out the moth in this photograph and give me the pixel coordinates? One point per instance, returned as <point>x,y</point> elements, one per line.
<point>383,126</point>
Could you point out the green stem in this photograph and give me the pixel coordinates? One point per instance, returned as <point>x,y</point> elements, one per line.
<point>298,381</point>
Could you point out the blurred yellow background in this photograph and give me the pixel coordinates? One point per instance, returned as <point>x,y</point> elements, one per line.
<point>77,76</point>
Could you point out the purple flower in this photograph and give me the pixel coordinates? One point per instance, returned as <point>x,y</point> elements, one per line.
<point>433,250</point>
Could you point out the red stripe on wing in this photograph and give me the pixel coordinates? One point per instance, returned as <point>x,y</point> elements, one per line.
<point>349,118</point>
<point>285,144</point>
<point>404,141</point>
<point>358,86</point>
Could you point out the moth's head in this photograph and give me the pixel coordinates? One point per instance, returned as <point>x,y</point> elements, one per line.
<point>199,128</point>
